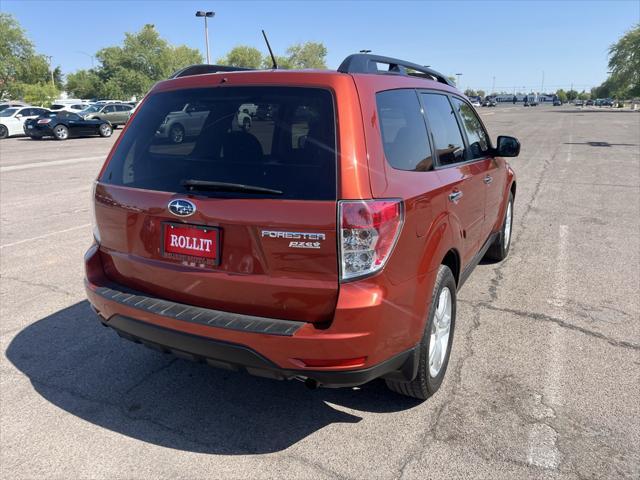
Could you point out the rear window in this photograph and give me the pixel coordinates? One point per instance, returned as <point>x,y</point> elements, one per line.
<point>404,133</point>
<point>277,138</point>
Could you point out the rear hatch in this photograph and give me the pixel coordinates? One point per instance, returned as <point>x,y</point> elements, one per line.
<point>225,197</point>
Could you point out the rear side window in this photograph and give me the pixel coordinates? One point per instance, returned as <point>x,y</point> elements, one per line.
<point>444,127</point>
<point>278,138</point>
<point>478,140</point>
<point>404,134</point>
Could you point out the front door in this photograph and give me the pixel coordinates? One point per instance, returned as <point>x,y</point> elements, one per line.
<point>460,175</point>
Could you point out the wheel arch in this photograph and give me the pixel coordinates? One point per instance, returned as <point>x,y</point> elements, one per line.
<point>451,259</point>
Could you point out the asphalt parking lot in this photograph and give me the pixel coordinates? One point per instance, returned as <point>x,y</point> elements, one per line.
<point>544,379</point>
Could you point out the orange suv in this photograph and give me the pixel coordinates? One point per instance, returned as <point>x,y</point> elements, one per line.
<point>324,240</point>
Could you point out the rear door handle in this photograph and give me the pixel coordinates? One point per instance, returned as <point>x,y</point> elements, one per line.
<point>488,179</point>
<point>455,196</point>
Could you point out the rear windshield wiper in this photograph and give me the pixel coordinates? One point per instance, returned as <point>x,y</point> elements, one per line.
<point>206,185</point>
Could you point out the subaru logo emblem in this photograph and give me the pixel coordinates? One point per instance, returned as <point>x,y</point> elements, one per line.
<point>182,208</point>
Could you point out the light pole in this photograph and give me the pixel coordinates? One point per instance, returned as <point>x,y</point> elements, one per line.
<point>458,84</point>
<point>49,57</point>
<point>493,85</point>
<point>206,15</point>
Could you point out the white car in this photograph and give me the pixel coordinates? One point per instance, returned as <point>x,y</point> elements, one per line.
<point>12,119</point>
<point>74,107</point>
<point>4,105</point>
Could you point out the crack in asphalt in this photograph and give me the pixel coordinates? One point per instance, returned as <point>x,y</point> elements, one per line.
<point>151,374</point>
<point>561,323</point>
<point>46,286</point>
<point>123,410</point>
<point>317,466</point>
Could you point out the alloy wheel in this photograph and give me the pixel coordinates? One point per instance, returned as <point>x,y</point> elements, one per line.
<point>440,329</point>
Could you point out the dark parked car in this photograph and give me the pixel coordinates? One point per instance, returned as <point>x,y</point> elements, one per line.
<point>589,103</point>
<point>62,125</point>
<point>557,103</point>
<point>489,102</point>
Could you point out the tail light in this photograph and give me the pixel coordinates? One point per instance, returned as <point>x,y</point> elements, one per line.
<point>369,231</point>
<point>44,121</point>
<point>92,209</point>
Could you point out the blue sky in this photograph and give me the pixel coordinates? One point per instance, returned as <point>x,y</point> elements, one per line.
<point>514,41</point>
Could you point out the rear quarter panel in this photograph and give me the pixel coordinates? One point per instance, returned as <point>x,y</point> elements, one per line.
<point>427,234</point>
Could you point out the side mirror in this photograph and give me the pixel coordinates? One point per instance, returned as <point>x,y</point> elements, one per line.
<point>507,146</point>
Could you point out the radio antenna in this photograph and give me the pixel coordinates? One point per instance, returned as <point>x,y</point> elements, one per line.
<point>273,58</point>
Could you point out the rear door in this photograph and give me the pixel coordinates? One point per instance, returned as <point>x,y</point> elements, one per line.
<point>109,113</point>
<point>233,218</point>
<point>492,171</point>
<point>462,176</point>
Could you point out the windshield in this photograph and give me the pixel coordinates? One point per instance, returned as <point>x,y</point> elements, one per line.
<point>92,109</point>
<point>7,112</point>
<point>274,142</point>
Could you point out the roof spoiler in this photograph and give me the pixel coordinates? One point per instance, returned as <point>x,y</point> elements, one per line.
<point>205,68</point>
<point>366,63</point>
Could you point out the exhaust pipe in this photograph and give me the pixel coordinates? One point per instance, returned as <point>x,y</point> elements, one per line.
<point>311,384</point>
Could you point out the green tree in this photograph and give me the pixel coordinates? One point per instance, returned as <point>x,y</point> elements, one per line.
<point>42,94</point>
<point>19,62</point>
<point>562,95</point>
<point>131,69</point>
<point>283,62</point>
<point>583,95</point>
<point>624,63</point>
<point>604,90</point>
<point>481,93</point>
<point>307,55</point>
<point>243,56</point>
<point>470,93</point>
<point>83,84</point>
<point>572,95</point>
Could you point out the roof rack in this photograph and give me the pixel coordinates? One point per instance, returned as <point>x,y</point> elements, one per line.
<point>205,68</point>
<point>366,63</point>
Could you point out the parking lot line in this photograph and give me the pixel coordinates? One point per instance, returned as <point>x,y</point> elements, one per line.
<point>46,235</point>
<point>543,451</point>
<point>53,163</point>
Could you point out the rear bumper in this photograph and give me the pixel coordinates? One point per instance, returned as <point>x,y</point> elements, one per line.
<point>238,357</point>
<point>363,328</point>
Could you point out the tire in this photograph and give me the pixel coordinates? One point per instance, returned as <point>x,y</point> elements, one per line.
<point>60,132</point>
<point>246,124</point>
<point>4,131</point>
<point>105,130</point>
<point>500,248</point>
<point>176,133</point>
<point>431,371</point>
<point>36,137</point>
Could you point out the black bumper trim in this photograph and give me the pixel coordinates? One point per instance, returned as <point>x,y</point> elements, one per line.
<point>238,357</point>
<point>202,316</point>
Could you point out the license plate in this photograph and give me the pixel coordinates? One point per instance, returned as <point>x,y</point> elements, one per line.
<point>195,243</point>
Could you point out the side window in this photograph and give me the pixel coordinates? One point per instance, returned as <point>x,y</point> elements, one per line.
<point>444,126</point>
<point>404,133</point>
<point>109,109</point>
<point>73,116</point>
<point>478,140</point>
